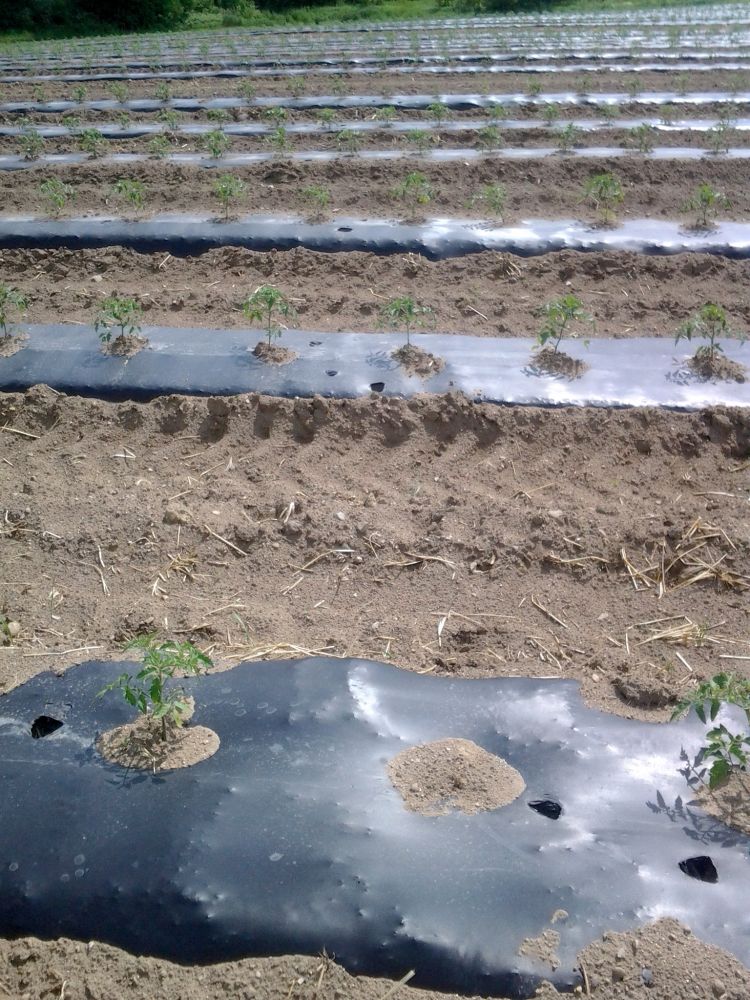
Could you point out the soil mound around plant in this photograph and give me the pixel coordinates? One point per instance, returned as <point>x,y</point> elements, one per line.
<point>447,775</point>
<point>126,345</point>
<point>139,744</point>
<point>12,345</point>
<point>718,367</point>
<point>729,802</point>
<point>273,354</point>
<point>418,361</point>
<point>549,362</point>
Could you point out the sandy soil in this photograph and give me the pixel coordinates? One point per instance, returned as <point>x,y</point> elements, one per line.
<point>508,524</point>
<point>397,83</point>
<point>484,295</point>
<point>453,775</point>
<point>549,188</point>
<point>677,966</point>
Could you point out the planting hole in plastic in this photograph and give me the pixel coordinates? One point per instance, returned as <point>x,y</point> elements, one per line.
<point>377,386</point>
<point>331,372</point>
<point>547,807</point>
<point>43,726</point>
<point>701,867</point>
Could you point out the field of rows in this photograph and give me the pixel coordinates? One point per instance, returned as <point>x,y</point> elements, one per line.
<point>479,506</point>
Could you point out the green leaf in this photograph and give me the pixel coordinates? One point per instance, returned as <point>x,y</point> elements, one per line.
<point>720,770</point>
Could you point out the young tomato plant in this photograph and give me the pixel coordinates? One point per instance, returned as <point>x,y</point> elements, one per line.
<point>148,691</point>
<point>349,141</point>
<point>437,111</point>
<point>132,192</point>
<point>568,137</point>
<point>605,193</point>
<point>216,143</point>
<point>491,195</point>
<point>489,138</point>
<point>557,318</point>
<point>57,194</point>
<point>709,323</point>
<point>403,313</point>
<point>419,139</point>
<point>414,188</point>
<point>158,146</point>
<point>91,141</point>
<point>727,751</point>
<point>318,197</point>
<point>31,142</point>
<point>11,301</point>
<point>706,203</point>
<point>117,312</point>
<point>266,306</point>
<point>227,189</point>
<point>642,137</point>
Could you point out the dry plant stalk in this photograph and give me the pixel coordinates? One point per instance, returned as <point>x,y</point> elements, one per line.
<point>697,556</point>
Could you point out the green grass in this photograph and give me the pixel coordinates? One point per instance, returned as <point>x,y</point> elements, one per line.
<point>382,10</point>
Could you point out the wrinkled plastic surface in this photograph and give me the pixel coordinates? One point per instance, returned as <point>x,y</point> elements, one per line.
<point>291,838</point>
<point>229,160</point>
<point>437,238</point>
<point>458,102</point>
<point>643,371</point>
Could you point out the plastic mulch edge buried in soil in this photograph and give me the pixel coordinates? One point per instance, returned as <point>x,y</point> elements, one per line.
<point>730,66</point>
<point>291,838</point>
<point>232,160</point>
<point>437,238</point>
<point>458,102</point>
<point>643,371</point>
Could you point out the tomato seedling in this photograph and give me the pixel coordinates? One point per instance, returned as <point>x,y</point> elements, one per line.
<point>148,691</point>
<point>266,306</point>
<point>118,313</point>
<point>557,318</point>
<point>11,302</point>
<point>403,313</point>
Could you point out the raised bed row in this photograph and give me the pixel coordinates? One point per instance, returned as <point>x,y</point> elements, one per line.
<point>135,130</point>
<point>437,239</point>
<point>229,161</point>
<point>730,65</point>
<point>453,102</point>
<point>642,371</point>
